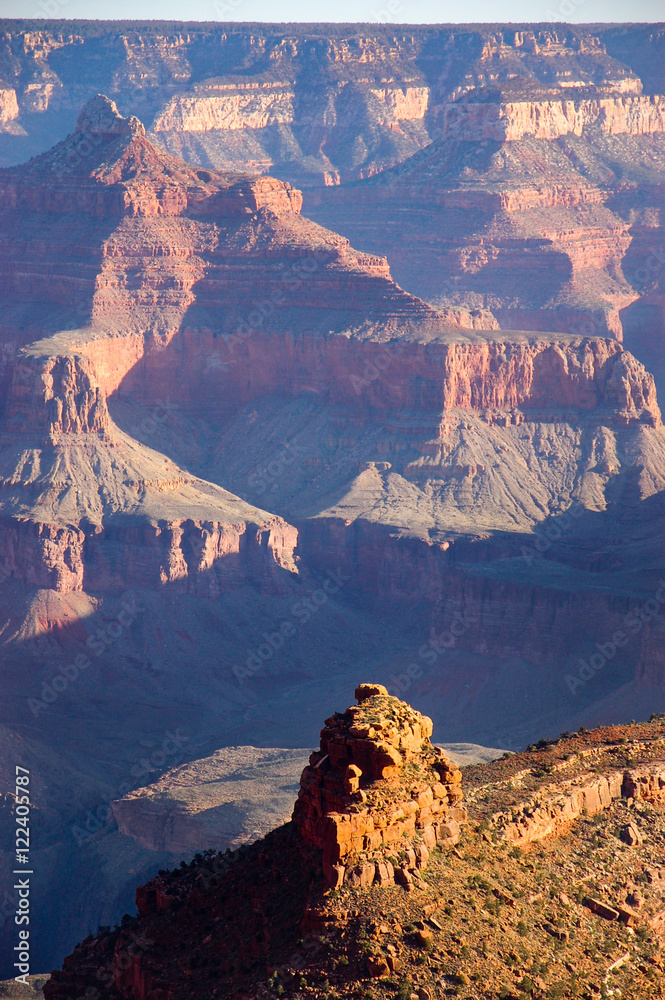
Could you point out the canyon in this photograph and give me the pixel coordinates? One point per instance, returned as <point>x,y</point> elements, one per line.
<point>244,456</point>
<point>537,151</point>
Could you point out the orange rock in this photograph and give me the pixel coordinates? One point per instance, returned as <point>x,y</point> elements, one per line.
<point>364,691</point>
<point>396,806</point>
<point>352,779</point>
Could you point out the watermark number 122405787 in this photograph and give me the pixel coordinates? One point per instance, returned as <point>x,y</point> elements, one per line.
<point>22,884</point>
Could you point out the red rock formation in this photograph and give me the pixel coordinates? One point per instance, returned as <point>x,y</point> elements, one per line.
<point>377,796</point>
<point>107,167</point>
<point>429,374</point>
<point>518,229</point>
<point>110,174</point>
<point>232,921</point>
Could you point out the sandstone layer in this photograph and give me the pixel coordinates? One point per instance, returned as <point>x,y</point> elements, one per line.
<point>551,814</point>
<point>511,121</point>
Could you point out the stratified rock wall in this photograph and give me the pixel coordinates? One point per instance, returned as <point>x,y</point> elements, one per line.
<point>547,815</point>
<point>327,104</point>
<point>538,375</point>
<point>510,122</point>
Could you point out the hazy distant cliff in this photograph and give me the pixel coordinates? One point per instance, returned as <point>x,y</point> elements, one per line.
<point>320,104</point>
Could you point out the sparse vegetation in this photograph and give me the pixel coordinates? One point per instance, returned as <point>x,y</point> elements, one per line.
<point>492,920</point>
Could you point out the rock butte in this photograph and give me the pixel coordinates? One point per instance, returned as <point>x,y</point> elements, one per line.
<point>377,796</point>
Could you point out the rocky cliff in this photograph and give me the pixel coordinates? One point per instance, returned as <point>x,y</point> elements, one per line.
<point>511,121</point>
<point>523,217</point>
<point>322,103</point>
<point>432,373</point>
<point>458,411</point>
<point>56,415</point>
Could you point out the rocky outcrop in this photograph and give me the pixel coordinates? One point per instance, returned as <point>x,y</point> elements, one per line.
<point>9,111</point>
<point>552,815</point>
<point>56,396</point>
<point>377,796</point>
<point>645,785</point>
<point>261,913</point>
<point>229,106</point>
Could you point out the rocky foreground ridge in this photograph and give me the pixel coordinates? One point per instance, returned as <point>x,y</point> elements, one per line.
<point>512,908</point>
